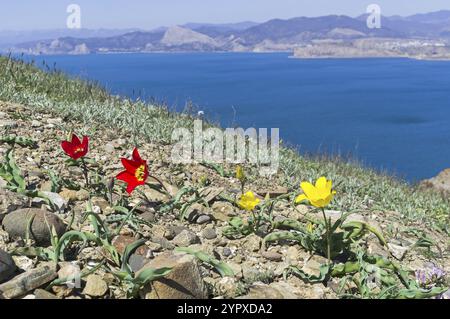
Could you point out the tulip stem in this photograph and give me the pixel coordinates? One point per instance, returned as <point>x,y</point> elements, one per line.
<point>85,171</point>
<point>327,234</point>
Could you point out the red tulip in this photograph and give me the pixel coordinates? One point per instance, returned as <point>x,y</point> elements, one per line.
<point>136,171</point>
<point>75,148</point>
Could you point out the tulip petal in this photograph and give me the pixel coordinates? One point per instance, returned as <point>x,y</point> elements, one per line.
<point>75,140</point>
<point>300,198</point>
<point>85,144</point>
<point>129,165</point>
<point>125,176</point>
<point>321,183</point>
<point>308,189</point>
<point>136,155</point>
<point>131,187</point>
<point>67,148</point>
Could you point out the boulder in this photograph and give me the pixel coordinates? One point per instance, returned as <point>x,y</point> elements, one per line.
<point>28,281</point>
<point>183,282</point>
<point>7,266</point>
<point>16,222</point>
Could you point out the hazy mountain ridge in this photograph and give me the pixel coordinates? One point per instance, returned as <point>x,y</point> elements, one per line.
<point>273,35</point>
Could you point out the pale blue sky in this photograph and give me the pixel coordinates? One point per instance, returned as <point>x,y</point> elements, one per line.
<point>147,14</point>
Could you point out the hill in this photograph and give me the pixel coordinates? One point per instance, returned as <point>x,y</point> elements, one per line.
<point>388,240</point>
<point>273,35</point>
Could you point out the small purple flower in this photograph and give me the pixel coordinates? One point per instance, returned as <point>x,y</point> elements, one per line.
<point>429,276</point>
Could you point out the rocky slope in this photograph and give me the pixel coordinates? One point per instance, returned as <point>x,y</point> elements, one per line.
<point>246,265</point>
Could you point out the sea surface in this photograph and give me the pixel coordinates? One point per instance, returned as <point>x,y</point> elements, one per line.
<point>390,114</point>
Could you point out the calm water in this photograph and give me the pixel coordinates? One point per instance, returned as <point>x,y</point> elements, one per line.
<point>392,114</point>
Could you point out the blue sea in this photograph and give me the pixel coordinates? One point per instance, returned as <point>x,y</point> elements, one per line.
<point>390,114</point>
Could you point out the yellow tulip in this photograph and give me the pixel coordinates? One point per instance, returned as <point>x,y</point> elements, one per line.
<point>318,195</point>
<point>248,201</point>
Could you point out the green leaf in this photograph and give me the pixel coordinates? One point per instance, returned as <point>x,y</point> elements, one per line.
<point>130,249</point>
<point>147,275</point>
<point>223,269</point>
<point>309,278</point>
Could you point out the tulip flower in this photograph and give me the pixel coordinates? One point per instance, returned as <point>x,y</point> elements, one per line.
<point>248,201</point>
<point>75,148</point>
<point>318,195</point>
<point>136,171</point>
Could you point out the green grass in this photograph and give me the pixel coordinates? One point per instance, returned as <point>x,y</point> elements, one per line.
<point>358,187</point>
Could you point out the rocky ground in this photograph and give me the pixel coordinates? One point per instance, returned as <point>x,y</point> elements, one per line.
<point>29,269</point>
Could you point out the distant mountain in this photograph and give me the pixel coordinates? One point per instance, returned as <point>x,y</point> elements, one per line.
<point>214,30</point>
<point>438,17</point>
<point>273,35</point>
<point>306,29</point>
<point>10,37</point>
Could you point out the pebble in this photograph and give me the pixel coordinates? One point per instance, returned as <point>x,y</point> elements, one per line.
<point>209,233</point>
<point>186,238</point>
<point>203,219</point>
<point>272,255</point>
<point>95,286</point>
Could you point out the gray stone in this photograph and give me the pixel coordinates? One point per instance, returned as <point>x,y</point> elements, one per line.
<point>209,233</point>
<point>272,256</point>
<point>186,238</point>
<point>148,217</point>
<point>203,219</point>
<point>183,282</point>
<point>7,266</point>
<point>28,281</point>
<point>210,193</point>
<point>16,222</point>
<point>165,243</point>
<point>252,243</point>
<point>174,230</point>
<point>95,286</point>
<point>137,262</point>
<point>43,294</point>
<point>397,251</point>
<point>57,200</point>
<point>223,211</point>
<point>227,251</point>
